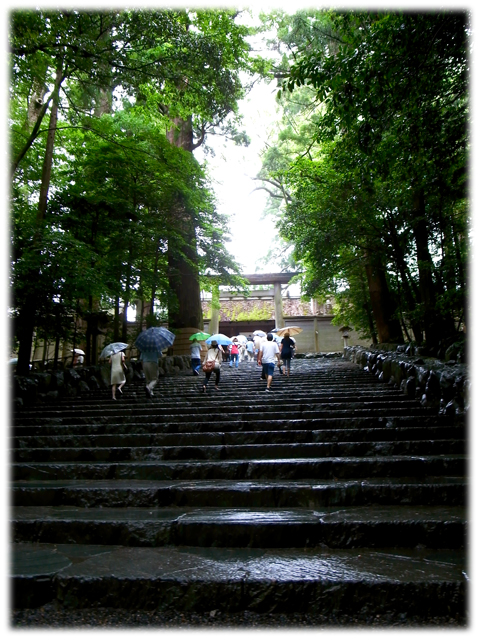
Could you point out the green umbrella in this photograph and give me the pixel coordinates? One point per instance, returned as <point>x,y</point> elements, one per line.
<point>199,336</point>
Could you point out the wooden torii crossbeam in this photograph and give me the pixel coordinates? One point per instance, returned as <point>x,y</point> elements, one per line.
<point>270,278</point>
<point>277,279</point>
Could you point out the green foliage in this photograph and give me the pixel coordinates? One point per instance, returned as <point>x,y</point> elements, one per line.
<point>126,77</point>
<point>378,182</point>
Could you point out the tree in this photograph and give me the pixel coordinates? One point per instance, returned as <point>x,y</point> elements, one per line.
<point>385,169</point>
<point>82,63</point>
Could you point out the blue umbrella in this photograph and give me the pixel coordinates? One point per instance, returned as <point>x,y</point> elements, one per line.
<point>220,339</point>
<point>113,347</point>
<point>155,339</point>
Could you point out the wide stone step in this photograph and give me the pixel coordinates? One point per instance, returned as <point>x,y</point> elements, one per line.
<point>337,528</point>
<point>232,418</point>
<point>293,469</point>
<point>207,438</point>
<point>309,494</point>
<point>235,452</point>
<point>209,413</point>
<point>334,426</point>
<point>242,397</point>
<point>423,582</point>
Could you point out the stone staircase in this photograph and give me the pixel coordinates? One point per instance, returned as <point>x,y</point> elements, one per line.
<point>333,494</point>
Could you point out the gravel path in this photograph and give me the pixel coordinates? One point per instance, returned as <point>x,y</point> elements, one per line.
<point>52,616</point>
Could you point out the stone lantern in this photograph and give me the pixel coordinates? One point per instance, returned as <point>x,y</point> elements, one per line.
<point>345,335</point>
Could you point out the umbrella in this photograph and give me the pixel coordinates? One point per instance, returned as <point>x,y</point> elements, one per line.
<point>79,351</point>
<point>259,333</point>
<point>155,339</point>
<point>220,339</point>
<point>293,331</point>
<point>241,338</point>
<point>113,347</point>
<point>199,336</point>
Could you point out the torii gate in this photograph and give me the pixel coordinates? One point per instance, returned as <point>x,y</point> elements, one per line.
<point>277,279</point>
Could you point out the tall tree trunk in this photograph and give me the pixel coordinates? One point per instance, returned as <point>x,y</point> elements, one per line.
<point>408,287</point>
<point>435,326</point>
<point>47,162</point>
<point>124,320</point>
<point>116,323</point>
<point>368,311</point>
<point>186,308</point>
<point>388,326</point>
<point>27,316</point>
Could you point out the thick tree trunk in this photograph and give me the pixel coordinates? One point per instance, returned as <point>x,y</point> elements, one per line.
<point>435,326</point>
<point>185,309</point>
<point>388,326</point>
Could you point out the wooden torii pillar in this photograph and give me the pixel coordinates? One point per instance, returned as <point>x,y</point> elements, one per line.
<point>277,279</point>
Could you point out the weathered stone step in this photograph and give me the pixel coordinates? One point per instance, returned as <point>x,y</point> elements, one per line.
<point>423,582</point>
<point>293,469</point>
<point>254,413</point>
<point>243,493</point>
<point>240,389</point>
<point>202,438</point>
<point>337,528</point>
<point>238,451</point>
<point>428,425</point>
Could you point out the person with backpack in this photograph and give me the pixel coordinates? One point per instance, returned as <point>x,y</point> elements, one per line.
<point>212,363</point>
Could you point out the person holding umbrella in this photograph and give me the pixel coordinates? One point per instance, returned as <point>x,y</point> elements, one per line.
<point>117,375</point>
<point>195,350</point>
<point>151,343</point>
<point>286,354</point>
<point>149,361</point>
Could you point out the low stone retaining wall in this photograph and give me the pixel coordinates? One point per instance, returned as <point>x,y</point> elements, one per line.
<point>444,385</point>
<point>48,386</point>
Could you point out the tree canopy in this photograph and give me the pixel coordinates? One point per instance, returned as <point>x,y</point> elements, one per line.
<point>95,177</point>
<point>374,200</point>
<point>367,177</point>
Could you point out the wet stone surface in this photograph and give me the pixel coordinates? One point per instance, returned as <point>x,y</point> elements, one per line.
<point>144,512</point>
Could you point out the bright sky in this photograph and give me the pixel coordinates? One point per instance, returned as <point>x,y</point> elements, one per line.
<point>232,171</point>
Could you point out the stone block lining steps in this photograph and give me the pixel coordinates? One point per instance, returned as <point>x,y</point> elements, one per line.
<point>336,492</point>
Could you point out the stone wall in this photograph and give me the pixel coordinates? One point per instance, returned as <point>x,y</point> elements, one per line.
<point>49,386</point>
<point>441,384</point>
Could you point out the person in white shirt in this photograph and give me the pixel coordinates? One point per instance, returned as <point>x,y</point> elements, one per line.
<point>268,354</point>
<point>196,361</point>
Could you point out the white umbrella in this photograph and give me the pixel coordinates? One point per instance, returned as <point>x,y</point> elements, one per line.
<point>260,334</point>
<point>241,338</point>
<point>79,351</point>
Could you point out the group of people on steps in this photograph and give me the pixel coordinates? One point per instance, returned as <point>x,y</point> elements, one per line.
<point>268,355</point>
<point>267,351</point>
